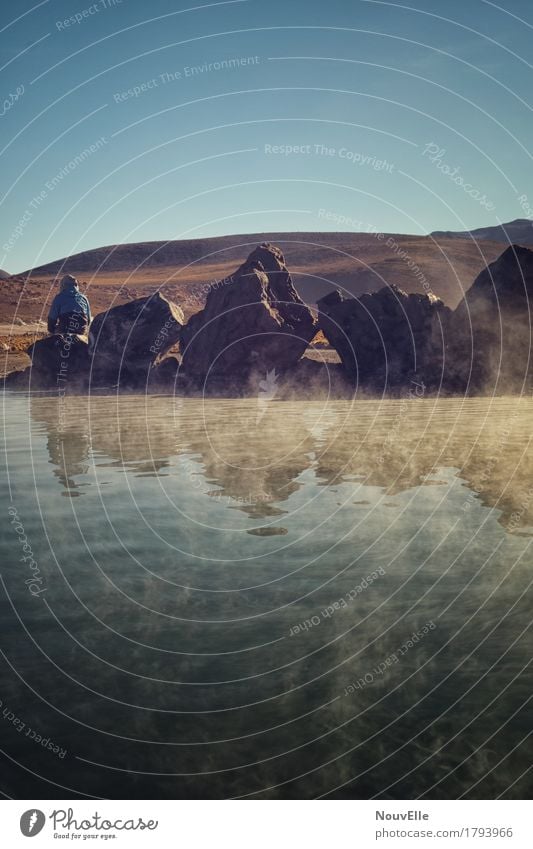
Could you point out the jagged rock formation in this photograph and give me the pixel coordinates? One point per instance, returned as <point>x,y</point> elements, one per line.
<point>387,337</point>
<point>253,323</point>
<point>254,330</point>
<point>125,341</point>
<point>490,347</point>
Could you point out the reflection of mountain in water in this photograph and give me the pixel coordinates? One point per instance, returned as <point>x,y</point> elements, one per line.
<point>253,463</point>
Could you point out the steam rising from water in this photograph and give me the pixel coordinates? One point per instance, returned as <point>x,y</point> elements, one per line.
<point>183,542</point>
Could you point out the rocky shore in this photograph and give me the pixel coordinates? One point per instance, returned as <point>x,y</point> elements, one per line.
<point>256,337</point>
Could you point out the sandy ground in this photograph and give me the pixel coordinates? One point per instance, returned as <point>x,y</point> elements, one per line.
<point>13,361</point>
<point>8,330</point>
<point>323,355</point>
<point>14,340</point>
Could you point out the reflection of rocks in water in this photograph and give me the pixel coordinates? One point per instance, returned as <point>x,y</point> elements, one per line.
<point>268,532</point>
<point>68,440</point>
<point>381,449</point>
<point>396,446</point>
<point>254,454</point>
<point>136,433</point>
<point>70,456</point>
<point>132,432</point>
<point>499,471</point>
<point>256,505</point>
<point>251,456</point>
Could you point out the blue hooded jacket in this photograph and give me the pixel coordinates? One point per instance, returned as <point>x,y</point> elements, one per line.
<point>70,299</point>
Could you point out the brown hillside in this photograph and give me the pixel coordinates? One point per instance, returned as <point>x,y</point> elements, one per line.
<point>356,262</point>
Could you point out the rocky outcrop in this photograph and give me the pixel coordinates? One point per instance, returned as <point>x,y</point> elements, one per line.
<point>125,341</point>
<point>251,337</point>
<point>59,362</point>
<point>386,338</point>
<point>17,380</point>
<point>490,343</point>
<point>165,373</point>
<point>253,323</point>
<point>168,377</point>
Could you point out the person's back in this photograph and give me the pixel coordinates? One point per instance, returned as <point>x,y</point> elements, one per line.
<point>70,311</point>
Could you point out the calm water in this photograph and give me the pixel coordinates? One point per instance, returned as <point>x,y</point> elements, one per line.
<point>218,597</point>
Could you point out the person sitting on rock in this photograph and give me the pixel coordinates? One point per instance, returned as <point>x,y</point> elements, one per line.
<point>70,311</point>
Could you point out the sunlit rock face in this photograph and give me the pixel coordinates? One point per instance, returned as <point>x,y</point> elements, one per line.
<point>387,337</point>
<point>126,340</point>
<point>490,348</point>
<point>253,322</point>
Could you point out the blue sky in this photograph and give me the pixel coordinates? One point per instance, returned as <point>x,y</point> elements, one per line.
<point>306,116</point>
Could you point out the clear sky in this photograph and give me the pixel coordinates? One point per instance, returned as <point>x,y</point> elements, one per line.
<point>139,121</point>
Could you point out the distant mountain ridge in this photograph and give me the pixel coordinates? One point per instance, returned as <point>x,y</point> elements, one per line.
<point>318,262</point>
<point>303,248</point>
<point>517,232</point>
<point>183,252</point>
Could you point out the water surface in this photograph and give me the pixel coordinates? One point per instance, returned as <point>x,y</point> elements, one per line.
<point>225,595</point>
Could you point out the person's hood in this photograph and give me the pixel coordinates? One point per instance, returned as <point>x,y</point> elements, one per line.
<point>68,282</point>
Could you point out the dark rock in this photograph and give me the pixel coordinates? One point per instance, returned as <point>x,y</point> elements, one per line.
<point>386,338</point>
<point>253,322</point>
<point>125,341</point>
<point>168,376</point>
<point>18,379</point>
<point>490,347</point>
<point>60,362</point>
<point>166,372</point>
<point>316,379</point>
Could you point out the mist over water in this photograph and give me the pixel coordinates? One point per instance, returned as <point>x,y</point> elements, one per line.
<point>282,599</point>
